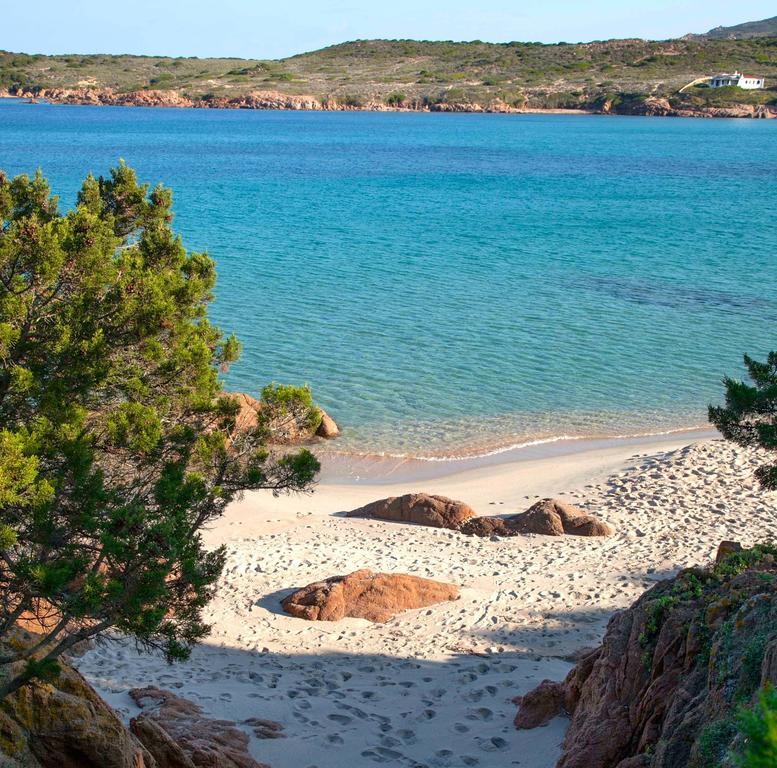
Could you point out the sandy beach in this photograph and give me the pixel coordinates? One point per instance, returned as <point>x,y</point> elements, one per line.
<point>434,687</point>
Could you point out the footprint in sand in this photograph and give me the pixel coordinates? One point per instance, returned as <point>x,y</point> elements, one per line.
<point>340,719</point>
<point>494,744</point>
<point>483,713</point>
<point>382,755</point>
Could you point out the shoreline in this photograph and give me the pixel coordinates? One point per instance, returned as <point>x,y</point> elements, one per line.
<point>346,467</point>
<point>493,485</point>
<point>277,101</point>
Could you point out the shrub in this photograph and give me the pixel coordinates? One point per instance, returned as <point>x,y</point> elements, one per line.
<point>758,727</point>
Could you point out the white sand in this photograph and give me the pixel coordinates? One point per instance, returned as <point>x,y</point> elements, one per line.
<point>434,687</point>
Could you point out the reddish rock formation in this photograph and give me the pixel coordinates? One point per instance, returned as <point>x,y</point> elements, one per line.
<point>549,517</point>
<point>650,106</point>
<point>659,106</point>
<point>328,428</point>
<point>488,526</point>
<point>178,736</point>
<point>248,415</point>
<point>726,548</point>
<point>540,705</point>
<point>289,427</point>
<point>366,595</point>
<point>420,508</point>
<point>65,724</point>
<point>683,658</point>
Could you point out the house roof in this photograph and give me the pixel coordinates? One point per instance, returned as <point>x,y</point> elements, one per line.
<point>735,75</point>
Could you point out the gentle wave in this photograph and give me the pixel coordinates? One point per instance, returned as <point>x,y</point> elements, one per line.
<point>514,446</point>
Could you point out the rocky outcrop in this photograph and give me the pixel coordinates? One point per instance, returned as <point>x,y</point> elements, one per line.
<point>663,689</point>
<point>328,428</point>
<point>541,705</point>
<point>65,724</point>
<point>489,526</point>
<point>456,106</point>
<point>177,734</point>
<point>726,548</point>
<point>366,595</point>
<point>288,425</point>
<point>276,100</point>
<point>248,414</point>
<point>659,106</point>
<point>420,508</point>
<point>549,517</point>
<point>170,98</point>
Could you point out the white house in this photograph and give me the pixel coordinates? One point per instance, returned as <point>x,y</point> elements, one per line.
<point>749,82</point>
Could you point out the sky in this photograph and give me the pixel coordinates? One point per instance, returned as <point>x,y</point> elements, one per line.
<point>277,28</point>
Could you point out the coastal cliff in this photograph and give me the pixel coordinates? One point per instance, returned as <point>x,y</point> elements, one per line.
<point>664,688</point>
<point>276,100</point>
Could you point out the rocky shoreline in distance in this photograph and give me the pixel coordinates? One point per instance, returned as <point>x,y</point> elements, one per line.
<point>651,106</point>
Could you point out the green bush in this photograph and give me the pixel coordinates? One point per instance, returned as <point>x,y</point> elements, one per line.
<point>711,748</point>
<point>758,728</point>
<point>289,410</point>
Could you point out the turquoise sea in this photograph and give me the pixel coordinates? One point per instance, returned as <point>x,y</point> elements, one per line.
<point>451,284</point>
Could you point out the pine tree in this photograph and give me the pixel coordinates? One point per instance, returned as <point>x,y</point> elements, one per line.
<point>749,416</point>
<point>117,443</point>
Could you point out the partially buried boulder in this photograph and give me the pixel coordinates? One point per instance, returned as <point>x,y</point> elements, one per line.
<point>540,705</point>
<point>366,595</point>
<point>549,517</point>
<point>420,508</point>
<point>489,526</point>
<point>177,734</point>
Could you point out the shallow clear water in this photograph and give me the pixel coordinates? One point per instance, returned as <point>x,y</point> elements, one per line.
<point>449,283</point>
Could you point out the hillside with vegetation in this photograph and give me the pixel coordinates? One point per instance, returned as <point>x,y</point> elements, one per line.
<point>614,75</point>
<point>763,28</point>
